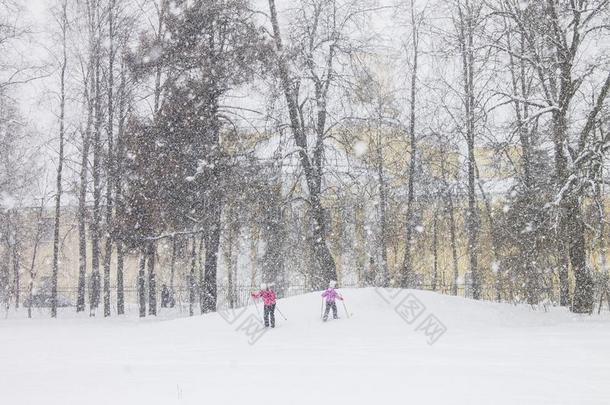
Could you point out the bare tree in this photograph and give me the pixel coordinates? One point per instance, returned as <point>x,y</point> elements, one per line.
<point>124,97</point>
<point>110,161</point>
<point>142,286</point>
<point>467,21</point>
<point>321,39</point>
<point>407,267</point>
<point>60,162</point>
<point>95,226</point>
<point>553,49</point>
<point>85,19</point>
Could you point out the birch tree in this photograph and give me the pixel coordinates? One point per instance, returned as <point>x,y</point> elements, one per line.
<point>407,275</point>
<point>63,23</point>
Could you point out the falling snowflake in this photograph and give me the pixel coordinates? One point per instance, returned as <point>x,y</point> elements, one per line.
<point>360,148</point>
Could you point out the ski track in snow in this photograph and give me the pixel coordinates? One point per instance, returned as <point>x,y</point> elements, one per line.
<point>491,354</point>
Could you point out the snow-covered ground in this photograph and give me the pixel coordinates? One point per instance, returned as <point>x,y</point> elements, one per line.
<point>489,354</point>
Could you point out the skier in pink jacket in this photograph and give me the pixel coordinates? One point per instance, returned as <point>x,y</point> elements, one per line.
<point>269,297</point>
<point>330,295</point>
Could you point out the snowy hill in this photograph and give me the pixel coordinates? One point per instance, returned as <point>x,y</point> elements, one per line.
<point>489,354</point>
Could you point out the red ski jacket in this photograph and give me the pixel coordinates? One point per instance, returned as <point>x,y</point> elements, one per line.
<point>268,296</point>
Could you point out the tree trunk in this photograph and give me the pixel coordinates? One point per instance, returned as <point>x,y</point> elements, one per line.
<point>200,277</point>
<point>82,199</point>
<point>212,246</point>
<point>435,250</point>
<point>453,242</point>
<point>528,247</point>
<point>31,287</point>
<point>37,239</point>
<point>97,155</point>
<point>253,256</point>
<point>495,243</point>
<point>383,215</point>
<point>158,69</point>
<point>120,281</point>
<point>16,272</point>
<point>601,217</point>
<point>142,284</point>
<point>407,266</point>
<point>82,220</point>
<point>448,196</point>
<point>152,279</point>
<point>107,259</point>
<point>62,113</point>
<point>191,278</point>
<point>118,192</point>
<point>5,283</point>
<point>472,218</point>
<point>230,239</point>
<point>563,228</point>
<point>111,173</point>
<point>583,286</point>
<point>172,274</point>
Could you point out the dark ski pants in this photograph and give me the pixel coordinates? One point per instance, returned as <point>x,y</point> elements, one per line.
<point>269,315</point>
<point>330,305</point>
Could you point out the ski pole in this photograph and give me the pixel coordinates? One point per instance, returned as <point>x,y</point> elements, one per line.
<point>345,308</point>
<point>280,312</point>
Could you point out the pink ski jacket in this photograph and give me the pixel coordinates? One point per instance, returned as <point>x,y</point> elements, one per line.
<point>331,295</point>
<point>268,296</point>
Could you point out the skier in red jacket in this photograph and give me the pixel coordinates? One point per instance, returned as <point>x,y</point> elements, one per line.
<point>269,297</point>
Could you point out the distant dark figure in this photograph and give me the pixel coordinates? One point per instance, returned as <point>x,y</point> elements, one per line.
<point>370,272</point>
<point>165,297</point>
<point>172,298</point>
